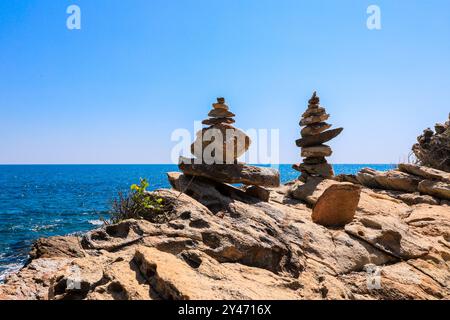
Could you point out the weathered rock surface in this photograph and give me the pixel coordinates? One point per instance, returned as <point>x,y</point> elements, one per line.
<point>391,180</point>
<point>234,173</point>
<point>435,188</point>
<point>221,243</point>
<point>337,205</point>
<point>413,184</point>
<point>424,172</point>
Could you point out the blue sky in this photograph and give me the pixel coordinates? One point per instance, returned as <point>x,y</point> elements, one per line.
<point>114,91</point>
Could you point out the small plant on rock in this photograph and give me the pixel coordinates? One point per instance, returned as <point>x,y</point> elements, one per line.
<point>140,204</point>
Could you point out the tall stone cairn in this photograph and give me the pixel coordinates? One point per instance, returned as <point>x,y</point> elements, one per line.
<point>314,134</point>
<point>234,140</point>
<point>216,150</point>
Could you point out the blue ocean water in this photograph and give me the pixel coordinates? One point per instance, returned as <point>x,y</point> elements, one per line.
<point>46,200</point>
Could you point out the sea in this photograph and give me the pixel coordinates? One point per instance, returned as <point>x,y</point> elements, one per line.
<point>48,200</point>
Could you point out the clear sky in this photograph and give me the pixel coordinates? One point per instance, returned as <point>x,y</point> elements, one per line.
<point>114,91</point>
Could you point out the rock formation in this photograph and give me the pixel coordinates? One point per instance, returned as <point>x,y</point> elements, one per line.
<point>217,148</point>
<point>314,134</point>
<point>410,183</point>
<point>390,237</point>
<point>221,243</point>
<point>433,148</point>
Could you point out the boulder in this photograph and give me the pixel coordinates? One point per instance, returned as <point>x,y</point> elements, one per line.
<point>337,205</point>
<point>437,189</point>
<point>425,172</point>
<point>63,247</point>
<point>311,191</point>
<point>319,138</point>
<point>233,173</point>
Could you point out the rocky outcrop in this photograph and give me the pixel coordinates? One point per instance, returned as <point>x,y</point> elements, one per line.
<point>222,242</point>
<point>410,183</point>
<point>433,147</point>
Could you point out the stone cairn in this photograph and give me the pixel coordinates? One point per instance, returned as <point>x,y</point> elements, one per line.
<point>314,134</point>
<point>232,142</point>
<point>216,150</point>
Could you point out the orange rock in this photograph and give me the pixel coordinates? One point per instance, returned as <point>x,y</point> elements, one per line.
<point>337,205</point>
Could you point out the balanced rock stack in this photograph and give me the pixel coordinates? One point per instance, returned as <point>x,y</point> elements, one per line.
<point>217,148</point>
<point>226,143</point>
<point>314,134</point>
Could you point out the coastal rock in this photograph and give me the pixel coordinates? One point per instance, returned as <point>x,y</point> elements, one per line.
<point>437,189</point>
<point>425,172</point>
<point>390,180</point>
<point>234,173</point>
<point>221,243</point>
<point>177,278</point>
<point>318,138</point>
<point>260,193</point>
<point>337,205</point>
<point>411,198</point>
<point>64,247</point>
<point>347,178</point>
<point>311,191</point>
<point>317,151</point>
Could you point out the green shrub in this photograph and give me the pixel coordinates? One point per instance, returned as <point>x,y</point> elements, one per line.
<point>140,204</point>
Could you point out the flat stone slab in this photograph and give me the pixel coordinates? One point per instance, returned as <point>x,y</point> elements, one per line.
<point>315,129</point>
<point>314,119</point>
<point>233,173</point>
<point>316,151</point>
<point>425,172</point>
<point>214,121</point>
<point>221,113</point>
<point>320,138</point>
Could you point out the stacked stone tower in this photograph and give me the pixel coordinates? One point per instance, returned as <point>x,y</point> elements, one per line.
<point>217,148</point>
<point>314,134</point>
<point>233,142</point>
